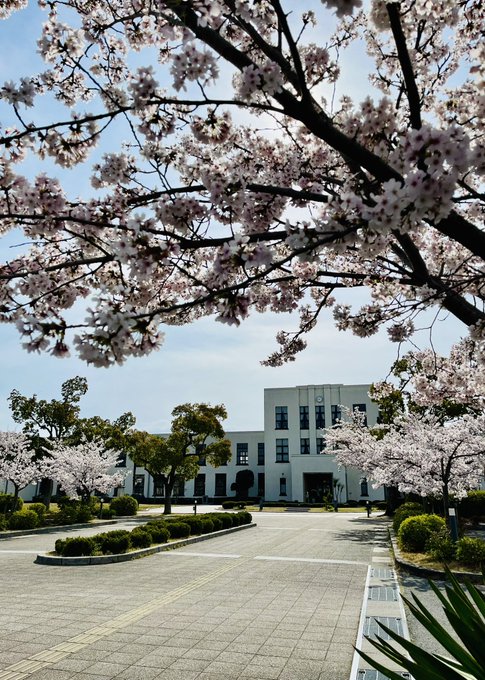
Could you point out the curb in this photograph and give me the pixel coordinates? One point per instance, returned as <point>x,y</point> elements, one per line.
<point>52,560</point>
<point>428,572</point>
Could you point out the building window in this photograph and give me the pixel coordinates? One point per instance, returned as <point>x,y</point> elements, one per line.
<point>220,488</point>
<point>158,486</point>
<point>304,445</point>
<point>320,416</point>
<point>261,484</point>
<point>178,487</point>
<point>242,457</point>
<point>362,408</point>
<point>281,417</point>
<point>139,485</point>
<point>364,487</point>
<point>121,462</point>
<point>261,453</point>
<point>321,444</point>
<point>336,413</point>
<point>282,451</point>
<point>282,486</point>
<point>199,451</point>
<point>304,418</point>
<point>199,485</point>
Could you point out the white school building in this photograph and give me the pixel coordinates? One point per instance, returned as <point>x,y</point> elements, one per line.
<point>288,459</point>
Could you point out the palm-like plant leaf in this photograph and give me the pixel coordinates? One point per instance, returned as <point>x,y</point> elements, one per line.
<point>465,610</point>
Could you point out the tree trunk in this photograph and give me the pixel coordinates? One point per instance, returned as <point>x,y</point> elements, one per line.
<point>15,496</point>
<point>134,477</point>
<point>46,489</point>
<point>168,484</point>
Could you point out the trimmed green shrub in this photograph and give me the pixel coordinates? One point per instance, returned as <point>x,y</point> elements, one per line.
<point>78,546</point>
<point>236,520</point>
<point>225,519</point>
<point>244,517</point>
<point>178,529</point>
<point>84,513</point>
<point>473,506</point>
<point>207,525</point>
<point>440,546</point>
<point>217,523</point>
<point>23,519</point>
<point>195,524</point>
<point>415,532</point>
<point>470,550</point>
<point>159,532</point>
<point>114,542</point>
<point>124,505</point>
<point>39,509</point>
<point>6,503</point>
<point>3,523</point>
<point>106,513</point>
<point>67,515</point>
<point>230,505</point>
<point>140,537</point>
<point>403,512</point>
<point>59,545</point>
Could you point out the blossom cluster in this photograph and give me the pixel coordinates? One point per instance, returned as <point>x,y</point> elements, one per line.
<point>226,175</point>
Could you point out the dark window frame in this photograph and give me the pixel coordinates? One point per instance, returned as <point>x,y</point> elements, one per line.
<point>281,418</point>
<point>220,489</point>
<point>304,418</point>
<point>242,454</point>
<point>282,451</point>
<point>319,416</point>
<point>304,446</point>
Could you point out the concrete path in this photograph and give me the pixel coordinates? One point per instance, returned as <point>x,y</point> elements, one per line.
<point>281,601</point>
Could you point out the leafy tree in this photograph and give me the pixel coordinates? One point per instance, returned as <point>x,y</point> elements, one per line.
<point>178,454</point>
<point>252,178</point>
<point>51,420</point>
<point>57,421</point>
<point>114,435</point>
<point>46,422</point>
<point>244,481</point>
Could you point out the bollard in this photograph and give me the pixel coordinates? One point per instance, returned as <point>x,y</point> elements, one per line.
<point>453,524</point>
<point>195,507</point>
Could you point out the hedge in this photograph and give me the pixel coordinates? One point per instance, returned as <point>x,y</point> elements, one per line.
<point>23,519</point>
<point>415,532</point>
<point>403,512</point>
<point>124,505</point>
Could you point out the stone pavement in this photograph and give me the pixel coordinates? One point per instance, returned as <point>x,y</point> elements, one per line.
<point>281,601</point>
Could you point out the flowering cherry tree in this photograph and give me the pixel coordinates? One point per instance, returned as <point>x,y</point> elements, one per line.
<point>17,462</point>
<point>235,172</point>
<point>83,469</point>
<point>416,453</point>
<point>446,387</point>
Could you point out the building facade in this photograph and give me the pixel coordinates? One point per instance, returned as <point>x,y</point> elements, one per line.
<point>288,459</point>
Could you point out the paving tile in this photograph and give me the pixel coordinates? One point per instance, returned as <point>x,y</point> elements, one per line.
<point>104,669</point>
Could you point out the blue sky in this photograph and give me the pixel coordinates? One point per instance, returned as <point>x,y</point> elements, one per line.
<point>205,361</point>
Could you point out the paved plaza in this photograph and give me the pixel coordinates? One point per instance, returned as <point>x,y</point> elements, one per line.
<point>279,601</point>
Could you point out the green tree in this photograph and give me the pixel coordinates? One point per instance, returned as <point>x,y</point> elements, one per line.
<point>193,426</point>
<point>47,421</point>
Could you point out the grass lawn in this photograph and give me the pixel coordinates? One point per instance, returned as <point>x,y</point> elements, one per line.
<point>426,562</point>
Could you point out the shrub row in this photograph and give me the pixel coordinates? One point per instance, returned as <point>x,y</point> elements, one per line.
<point>429,533</point>
<point>154,532</point>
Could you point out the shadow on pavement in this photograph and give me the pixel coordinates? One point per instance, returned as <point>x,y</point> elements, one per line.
<point>375,534</point>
